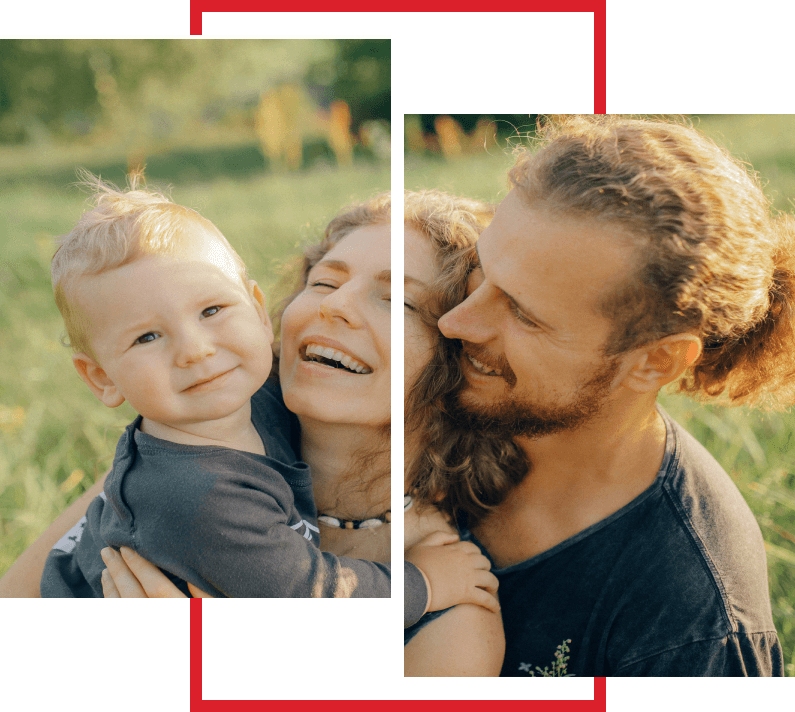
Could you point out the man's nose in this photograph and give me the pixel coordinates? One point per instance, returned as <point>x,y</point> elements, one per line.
<point>468,321</point>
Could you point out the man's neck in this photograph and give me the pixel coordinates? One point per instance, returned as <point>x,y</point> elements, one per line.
<point>561,497</point>
<point>622,443</point>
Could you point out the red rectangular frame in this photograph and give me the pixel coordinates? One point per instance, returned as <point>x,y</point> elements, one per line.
<point>597,7</point>
<point>197,704</point>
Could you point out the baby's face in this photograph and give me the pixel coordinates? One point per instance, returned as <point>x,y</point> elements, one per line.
<point>179,337</point>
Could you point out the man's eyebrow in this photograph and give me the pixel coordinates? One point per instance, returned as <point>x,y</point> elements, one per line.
<point>524,310</point>
<point>341,266</point>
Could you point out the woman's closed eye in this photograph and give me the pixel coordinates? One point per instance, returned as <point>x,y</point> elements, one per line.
<point>320,283</point>
<point>386,297</point>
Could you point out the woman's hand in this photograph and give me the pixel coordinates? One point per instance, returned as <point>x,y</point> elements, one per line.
<point>131,576</point>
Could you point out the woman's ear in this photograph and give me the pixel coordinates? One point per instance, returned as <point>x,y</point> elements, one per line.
<point>261,306</point>
<point>662,362</point>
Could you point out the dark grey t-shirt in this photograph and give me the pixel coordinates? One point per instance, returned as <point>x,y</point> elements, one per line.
<point>672,584</point>
<point>233,523</point>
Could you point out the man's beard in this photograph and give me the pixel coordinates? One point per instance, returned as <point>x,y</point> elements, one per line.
<point>514,417</point>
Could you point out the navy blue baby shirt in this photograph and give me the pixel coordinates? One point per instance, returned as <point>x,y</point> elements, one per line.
<point>233,523</point>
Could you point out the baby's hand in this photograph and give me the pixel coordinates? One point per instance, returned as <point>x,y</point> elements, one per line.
<point>456,572</point>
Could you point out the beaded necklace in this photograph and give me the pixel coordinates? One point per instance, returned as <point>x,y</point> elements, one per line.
<point>370,523</point>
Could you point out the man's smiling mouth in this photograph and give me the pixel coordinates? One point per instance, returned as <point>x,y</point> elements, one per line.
<point>483,368</point>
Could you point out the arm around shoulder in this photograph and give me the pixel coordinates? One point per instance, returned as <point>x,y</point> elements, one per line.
<point>467,641</point>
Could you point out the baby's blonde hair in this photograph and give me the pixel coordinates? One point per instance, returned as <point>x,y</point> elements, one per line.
<point>122,226</point>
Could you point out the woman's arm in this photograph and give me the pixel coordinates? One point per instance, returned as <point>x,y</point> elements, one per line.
<point>23,578</point>
<point>467,641</point>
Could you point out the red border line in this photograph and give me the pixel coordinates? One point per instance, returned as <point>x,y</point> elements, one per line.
<point>596,705</point>
<point>195,653</point>
<point>597,7</point>
<point>197,704</point>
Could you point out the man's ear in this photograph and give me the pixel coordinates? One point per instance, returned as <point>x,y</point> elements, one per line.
<point>662,362</point>
<point>97,380</point>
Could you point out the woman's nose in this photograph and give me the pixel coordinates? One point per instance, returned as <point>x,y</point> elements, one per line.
<point>343,303</point>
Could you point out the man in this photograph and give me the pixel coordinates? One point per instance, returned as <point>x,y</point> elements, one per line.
<point>628,255</point>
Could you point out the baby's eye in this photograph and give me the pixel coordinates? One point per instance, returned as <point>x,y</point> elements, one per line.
<point>146,338</point>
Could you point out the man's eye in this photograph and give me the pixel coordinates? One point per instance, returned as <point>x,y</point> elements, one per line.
<point>521,317</point>
<point>211,311</point>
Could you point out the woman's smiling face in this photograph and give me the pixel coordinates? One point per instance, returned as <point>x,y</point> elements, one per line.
<point>334,364</point>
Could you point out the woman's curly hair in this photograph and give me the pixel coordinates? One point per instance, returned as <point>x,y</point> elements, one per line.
<point>461,472</point>
<point>372,461</point>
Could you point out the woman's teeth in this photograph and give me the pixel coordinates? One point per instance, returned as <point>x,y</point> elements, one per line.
<point>314,352</point>
<point>483,368</point>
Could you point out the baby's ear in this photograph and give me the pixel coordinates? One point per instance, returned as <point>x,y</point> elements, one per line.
<point>259,303</point>
<point>97,380</point>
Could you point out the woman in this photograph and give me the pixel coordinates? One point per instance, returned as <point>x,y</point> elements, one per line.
<point>453,474</point>
<point>345,415</point>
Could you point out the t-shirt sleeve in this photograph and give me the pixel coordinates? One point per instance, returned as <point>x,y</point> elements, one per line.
<point>735,655</point>
<point>242,537</point>
<point>415,598</point>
